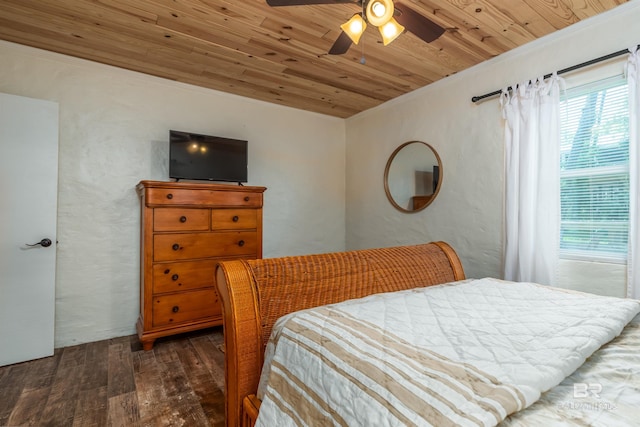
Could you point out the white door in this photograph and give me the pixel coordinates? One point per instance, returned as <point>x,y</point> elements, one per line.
<point>28,204</point>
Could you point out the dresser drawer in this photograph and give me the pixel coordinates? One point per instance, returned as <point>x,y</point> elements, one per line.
<point>186,229</point>
<point>183,246</point>
<point>184,307</point>
<point>183,276</point>
<point>204,198</point>
<point>180,219</point>
<point>227,219</point>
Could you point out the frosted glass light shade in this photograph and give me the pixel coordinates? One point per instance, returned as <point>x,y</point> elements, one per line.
<point>354,27</point>
<point>390,30</point>
<point>379,12</point>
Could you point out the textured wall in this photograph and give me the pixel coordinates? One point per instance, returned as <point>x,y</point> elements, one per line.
<point>114,129</point>
<point>468,211</point>
<point>114,132</point>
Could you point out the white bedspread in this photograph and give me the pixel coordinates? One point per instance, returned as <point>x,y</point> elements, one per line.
<point>603,392</point>
<point>466,353</point>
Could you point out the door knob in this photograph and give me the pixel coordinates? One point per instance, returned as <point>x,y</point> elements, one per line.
<point>45,243</point>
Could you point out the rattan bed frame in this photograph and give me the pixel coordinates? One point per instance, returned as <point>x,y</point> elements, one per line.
<point>255,293</point>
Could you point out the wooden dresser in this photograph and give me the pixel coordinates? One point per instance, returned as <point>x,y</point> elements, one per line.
<point>186,228</point>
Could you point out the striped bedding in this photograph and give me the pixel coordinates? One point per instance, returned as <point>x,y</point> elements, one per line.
<point>603,392</point>
<point>468,353</point>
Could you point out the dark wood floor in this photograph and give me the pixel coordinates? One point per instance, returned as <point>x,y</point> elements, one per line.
<point>116,383</point>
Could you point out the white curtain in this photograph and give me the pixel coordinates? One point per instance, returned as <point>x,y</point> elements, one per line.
<point>633,257</point>
<point>532,183</point>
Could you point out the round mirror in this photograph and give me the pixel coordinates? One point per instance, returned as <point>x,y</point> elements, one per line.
<point>413,176</point>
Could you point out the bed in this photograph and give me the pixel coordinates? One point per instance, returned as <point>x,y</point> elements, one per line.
<point>333,300</point>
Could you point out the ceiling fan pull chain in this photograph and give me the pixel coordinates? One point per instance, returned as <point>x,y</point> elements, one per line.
<point>362,58</point>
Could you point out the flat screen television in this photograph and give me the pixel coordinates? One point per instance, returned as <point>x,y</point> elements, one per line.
<point>194,156</point>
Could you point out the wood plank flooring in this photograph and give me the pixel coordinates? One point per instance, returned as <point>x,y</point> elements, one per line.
<point>116,383</point>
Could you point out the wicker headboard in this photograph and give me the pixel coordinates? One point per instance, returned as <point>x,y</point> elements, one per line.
<point>255,293</point>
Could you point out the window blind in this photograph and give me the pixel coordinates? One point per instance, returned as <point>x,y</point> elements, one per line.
<point>594,171</point>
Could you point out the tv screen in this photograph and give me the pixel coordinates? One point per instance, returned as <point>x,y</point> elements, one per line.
<point>206,157</point>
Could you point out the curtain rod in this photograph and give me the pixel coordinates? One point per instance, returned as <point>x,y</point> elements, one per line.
<point>565,70</point>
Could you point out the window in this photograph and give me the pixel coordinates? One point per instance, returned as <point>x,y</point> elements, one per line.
<point>594,172</point>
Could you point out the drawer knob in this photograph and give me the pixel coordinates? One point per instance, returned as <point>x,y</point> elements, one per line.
<point>167,271</point>
<point>174,277</point>
<point>235,218</point>
<point>241,243</point>
<point>183,219</point>
<point>175,247</point>
<point>175,309</point>
<point>169,196</point>
<point>246,198</point>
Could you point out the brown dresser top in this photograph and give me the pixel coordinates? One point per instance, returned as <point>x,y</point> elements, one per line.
<point>190,185</point>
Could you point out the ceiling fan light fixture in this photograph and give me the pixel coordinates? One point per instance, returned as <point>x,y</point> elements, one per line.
<point>379,12</point>
<point>378,9</point>
<point>354,27</point>
<point>390,30</point>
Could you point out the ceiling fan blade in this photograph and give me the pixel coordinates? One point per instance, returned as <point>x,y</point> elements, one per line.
<point>417,24</point>
<point>275,3</point>
<point>341,45</point>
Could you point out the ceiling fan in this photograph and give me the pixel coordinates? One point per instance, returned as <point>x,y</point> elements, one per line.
<point>391,18</point>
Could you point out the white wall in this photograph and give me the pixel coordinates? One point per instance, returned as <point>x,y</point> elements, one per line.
<point>114,128</point>
<point>114,132</point>
<point>468,211</point>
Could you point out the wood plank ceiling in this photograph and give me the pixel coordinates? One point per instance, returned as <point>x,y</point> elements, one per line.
<point>279,54</point>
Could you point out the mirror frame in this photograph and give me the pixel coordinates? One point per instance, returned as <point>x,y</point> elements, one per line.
<point>386,177</point>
